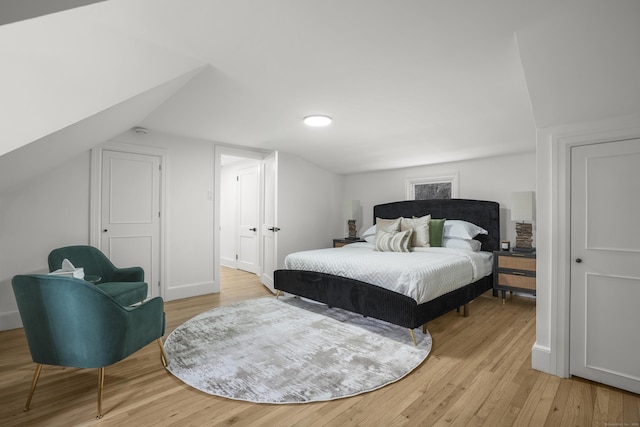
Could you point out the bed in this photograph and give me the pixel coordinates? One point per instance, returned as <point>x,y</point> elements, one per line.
<point>385,304</point>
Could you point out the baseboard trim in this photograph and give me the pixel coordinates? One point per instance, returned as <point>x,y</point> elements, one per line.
<point>541,358</point>
<point>10,320</point>
<point>228,262</point>
<point>189,290</point>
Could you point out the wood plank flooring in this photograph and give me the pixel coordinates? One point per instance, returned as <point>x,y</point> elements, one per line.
<point>478,374</point>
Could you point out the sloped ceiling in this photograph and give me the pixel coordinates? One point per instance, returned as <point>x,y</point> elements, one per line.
<point>407,82</point>
<point>62,68</point>
<point>583,62</point>
<point>31,160</point>
<point>19,10</point>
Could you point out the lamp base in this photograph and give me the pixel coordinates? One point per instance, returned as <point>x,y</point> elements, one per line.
<point>523,238</point>
<point>351,225</point>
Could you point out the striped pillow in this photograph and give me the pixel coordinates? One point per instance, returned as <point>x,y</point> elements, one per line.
<point>393,241</point>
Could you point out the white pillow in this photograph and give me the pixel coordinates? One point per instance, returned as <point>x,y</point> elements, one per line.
<point>468,244</point>
<point>420,227</point>
<point>370,234</point>
<point>462,229</point>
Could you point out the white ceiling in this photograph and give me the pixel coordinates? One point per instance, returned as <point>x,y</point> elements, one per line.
<point>408,82</point>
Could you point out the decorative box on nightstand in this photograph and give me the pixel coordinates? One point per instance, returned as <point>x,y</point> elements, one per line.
<point>514,272</point>
<point>338,243</point>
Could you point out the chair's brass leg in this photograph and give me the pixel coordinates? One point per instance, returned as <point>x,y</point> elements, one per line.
<point>465,310</point>
<point>100,386</point>
<point>163,355</point>
<point>413,337</point>
<point>278,293</point>
<point>36,375</point>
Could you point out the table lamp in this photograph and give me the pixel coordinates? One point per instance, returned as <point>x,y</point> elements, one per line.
<point>522,212</point>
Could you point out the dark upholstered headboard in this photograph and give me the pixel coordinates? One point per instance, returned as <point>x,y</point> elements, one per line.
<point>480,212</point>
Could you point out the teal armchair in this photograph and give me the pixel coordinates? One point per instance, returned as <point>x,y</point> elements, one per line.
<point>70,322</point>
<point>125,285</point>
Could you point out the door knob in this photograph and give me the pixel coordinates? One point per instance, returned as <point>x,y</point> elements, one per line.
<point>578,260</point>
<point>253,229</point>
<point>105,230</point>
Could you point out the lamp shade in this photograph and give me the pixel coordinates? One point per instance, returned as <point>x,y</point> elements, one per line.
<point>522,206</point>
<point>355,209</point>
<point>352,210</point>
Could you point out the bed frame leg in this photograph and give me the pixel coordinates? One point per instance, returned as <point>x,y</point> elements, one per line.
<point>424,328</point>
<point>413,337</point>
<point>465,310</point>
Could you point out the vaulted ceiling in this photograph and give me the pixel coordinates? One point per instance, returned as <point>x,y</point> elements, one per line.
<point>407,82</point>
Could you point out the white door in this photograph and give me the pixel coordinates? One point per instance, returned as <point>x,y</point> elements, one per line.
<point>130,213</point>
<point>248,219</point>
<point>605,271</point>
<point>269,220</point>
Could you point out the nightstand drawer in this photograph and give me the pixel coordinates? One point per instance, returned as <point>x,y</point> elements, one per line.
<point>517,263</point>
<point>517,281</point>
<point>338,243</point>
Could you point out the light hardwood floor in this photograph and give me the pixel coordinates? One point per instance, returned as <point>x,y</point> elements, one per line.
<point>478,373</point>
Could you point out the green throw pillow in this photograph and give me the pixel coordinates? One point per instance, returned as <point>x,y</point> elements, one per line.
<point>436,229</point>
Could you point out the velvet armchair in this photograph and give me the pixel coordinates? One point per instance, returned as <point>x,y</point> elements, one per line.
<point>70,322</point>
<point>126,285</point>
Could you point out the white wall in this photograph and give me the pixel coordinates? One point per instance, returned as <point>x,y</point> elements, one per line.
<point>53,211</point>
<point>310,205</point>
<point>492,178</point>
<point>36,217</point>
<point>34,220</point>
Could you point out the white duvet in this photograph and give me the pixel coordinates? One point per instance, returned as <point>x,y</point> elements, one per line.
<point>424,274</point>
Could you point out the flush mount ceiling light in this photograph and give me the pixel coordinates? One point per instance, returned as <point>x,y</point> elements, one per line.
<point>317,121</point>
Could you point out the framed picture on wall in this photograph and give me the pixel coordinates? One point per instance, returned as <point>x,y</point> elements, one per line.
<point>439,187</point>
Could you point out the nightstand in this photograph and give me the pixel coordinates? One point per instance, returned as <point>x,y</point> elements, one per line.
<point>514,272</point>
<point>338,243</point>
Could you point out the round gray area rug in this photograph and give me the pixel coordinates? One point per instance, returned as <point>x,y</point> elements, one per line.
<point>288,350</point>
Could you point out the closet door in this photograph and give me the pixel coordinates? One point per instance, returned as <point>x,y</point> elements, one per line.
<point>130,213</point>
<point>605,271</point>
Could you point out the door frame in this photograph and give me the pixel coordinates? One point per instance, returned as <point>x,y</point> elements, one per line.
<point>218,152</point>
<point>554,259</point>
<point>95,196</point>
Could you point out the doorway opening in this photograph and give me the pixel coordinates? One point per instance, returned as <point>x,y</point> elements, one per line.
<point>237,225</point>
<point>239,213</point>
